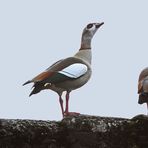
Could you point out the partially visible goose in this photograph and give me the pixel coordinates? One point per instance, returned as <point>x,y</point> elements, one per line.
<point>70,73</point>
<point>143,87</point>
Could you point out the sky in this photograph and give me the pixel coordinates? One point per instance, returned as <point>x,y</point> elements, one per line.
<point>34,34</point>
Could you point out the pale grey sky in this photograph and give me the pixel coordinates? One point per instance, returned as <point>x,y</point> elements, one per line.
<point>34,34</point>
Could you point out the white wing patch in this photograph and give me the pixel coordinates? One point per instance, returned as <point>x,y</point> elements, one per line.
<point>75,70</point>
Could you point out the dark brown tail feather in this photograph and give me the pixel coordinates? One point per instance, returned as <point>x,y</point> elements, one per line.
<point>37,87</point>
<point>27,82</point>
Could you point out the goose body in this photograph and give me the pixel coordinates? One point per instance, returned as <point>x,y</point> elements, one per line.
<point>70,73</point>
<point>143,86</point>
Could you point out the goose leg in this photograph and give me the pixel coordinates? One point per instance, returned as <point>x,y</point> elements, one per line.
<point>67,113</point>
<point>67,102</point>
<point>147,107</point>
<point>61,104</point>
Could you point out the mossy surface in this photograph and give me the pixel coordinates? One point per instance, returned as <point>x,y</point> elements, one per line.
<point>81,131</point>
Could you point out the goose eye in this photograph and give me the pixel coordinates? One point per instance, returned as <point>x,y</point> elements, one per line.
<point>89,26</point>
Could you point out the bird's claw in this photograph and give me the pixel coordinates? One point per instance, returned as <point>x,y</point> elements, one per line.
<point>71,114</point>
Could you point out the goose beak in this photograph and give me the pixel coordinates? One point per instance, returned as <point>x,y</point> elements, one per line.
<point>98,25</point>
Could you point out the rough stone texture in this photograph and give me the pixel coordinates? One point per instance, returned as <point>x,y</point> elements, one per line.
<point>81,131</point>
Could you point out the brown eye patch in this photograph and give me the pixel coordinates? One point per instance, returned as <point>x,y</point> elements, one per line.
<point>89,26</point>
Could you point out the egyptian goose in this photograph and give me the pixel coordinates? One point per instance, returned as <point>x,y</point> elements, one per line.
<point>70,73</point>
<point>143,87</point>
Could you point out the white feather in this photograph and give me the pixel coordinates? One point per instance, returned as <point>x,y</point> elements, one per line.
<point>75,70</point>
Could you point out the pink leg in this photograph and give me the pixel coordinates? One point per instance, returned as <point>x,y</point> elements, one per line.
<point>67,102</point>
<point>61,104</point>
<point>147,107</point>
<point>67,113</point>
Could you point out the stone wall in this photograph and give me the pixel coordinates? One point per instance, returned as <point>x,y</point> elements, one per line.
<point>81,131</point>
